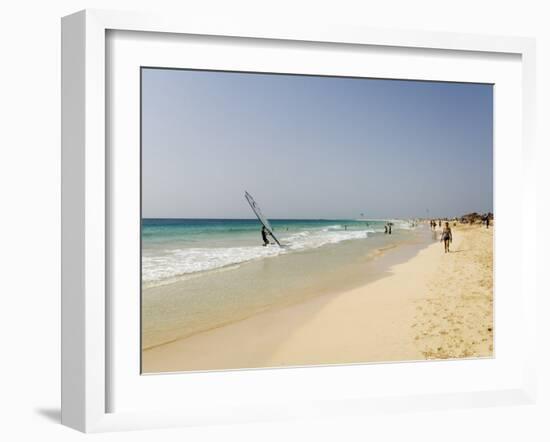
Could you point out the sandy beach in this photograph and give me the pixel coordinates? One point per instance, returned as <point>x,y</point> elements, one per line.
<point>432,306</point>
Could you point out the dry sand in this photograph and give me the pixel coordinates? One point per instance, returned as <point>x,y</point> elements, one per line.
<point>434,305</point>
<point>455,319</point>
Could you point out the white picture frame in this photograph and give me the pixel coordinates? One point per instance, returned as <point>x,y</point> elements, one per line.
<point>86,353</point>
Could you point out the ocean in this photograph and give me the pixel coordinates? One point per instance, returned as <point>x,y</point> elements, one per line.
<point>175,248</point>
<point>198,274</point>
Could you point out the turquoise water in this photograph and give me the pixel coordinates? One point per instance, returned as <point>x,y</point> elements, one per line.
<point>174,248</point>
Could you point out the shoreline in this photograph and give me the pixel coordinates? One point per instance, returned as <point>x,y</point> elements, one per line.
<point>190,306</point>
<point>402,315</point>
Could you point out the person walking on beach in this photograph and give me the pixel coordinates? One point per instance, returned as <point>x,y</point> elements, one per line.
<point>446,236</point>
<point>264,236</point>
<point>386,228</point>
<point>487,222</point>
<point>389,228</point>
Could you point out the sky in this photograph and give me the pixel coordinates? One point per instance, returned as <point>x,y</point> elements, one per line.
<point>313,147</point>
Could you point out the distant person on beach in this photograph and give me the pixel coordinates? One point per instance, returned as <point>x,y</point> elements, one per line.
<point>439,223</point>
<point>389,229</point>
<point>487,222</point>
<point>386,228</point>
<point>264,236</point>
<point>446,236</point>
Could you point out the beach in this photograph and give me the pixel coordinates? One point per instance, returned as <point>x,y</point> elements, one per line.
<point>411,302</point>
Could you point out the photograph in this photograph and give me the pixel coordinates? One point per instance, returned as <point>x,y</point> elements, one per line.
<point>292,220</point>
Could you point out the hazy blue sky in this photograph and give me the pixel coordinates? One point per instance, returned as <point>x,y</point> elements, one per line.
<point>313,147</point>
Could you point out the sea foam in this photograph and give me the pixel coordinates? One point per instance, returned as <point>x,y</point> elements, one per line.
<point>176,263</point>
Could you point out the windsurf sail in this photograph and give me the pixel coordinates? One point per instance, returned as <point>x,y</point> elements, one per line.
<point>256,209</point>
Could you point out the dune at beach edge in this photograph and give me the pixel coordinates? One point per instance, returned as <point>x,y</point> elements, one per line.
<point>433,306</point>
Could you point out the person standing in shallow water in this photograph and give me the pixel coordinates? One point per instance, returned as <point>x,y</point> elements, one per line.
<point>446,237</point>
<point>264,236</point>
